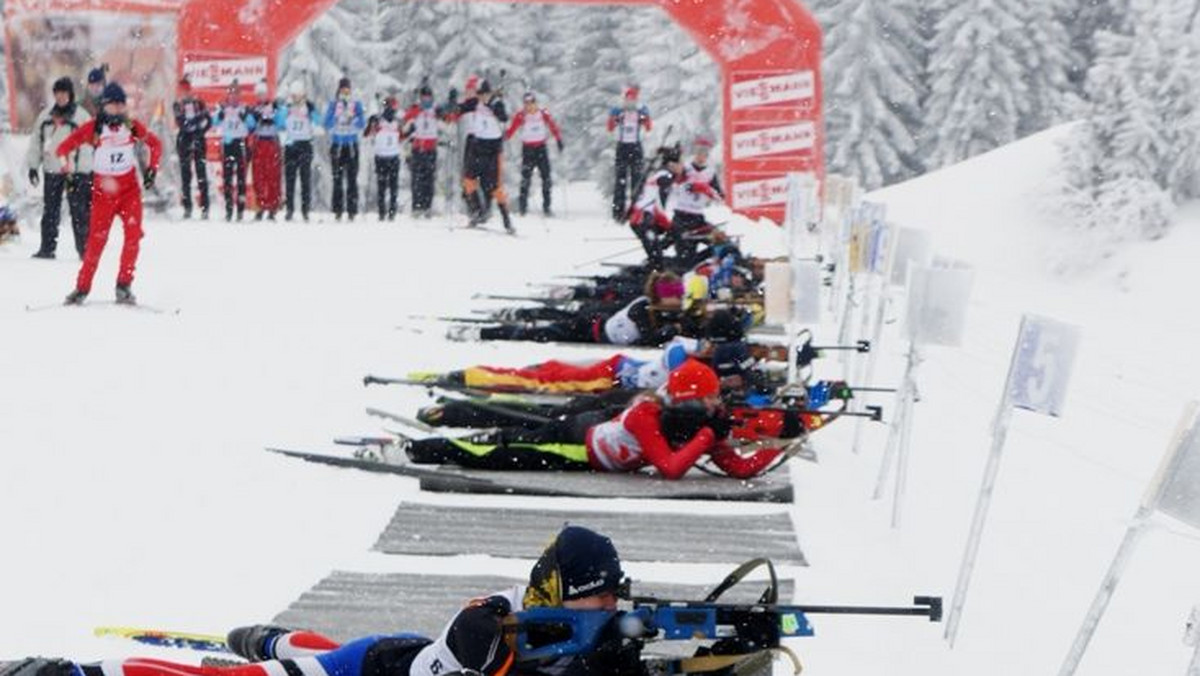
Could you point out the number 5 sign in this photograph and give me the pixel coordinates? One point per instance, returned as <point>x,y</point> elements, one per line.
<point>1042,364</point>
<point>1037,381</point>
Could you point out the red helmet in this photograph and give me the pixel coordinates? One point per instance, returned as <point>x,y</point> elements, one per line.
<point>632,93</point>
<point>692,380</point>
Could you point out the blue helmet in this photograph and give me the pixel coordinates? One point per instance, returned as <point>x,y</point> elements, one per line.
<point>7,215</point>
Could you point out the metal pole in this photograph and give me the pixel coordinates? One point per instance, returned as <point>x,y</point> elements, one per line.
<point>910,378</point>
<point>984,501</point>
<point>999,434</point>
<point>1105,593</point>
<point>1194,665</point>
<point>903,408</point>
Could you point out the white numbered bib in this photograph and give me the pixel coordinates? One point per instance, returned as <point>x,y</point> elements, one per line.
<point>485,124</point>
<point>189,111</point>
<point>387,139</point>
<point>630,119</point>
<point>425,126</point>
<point>114,153</point>
<point>299,125</point>
<point>534,129</point>
<point>232,124</point>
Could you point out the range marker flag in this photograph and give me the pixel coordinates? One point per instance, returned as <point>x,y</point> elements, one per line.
<point>1038,375</point>
<point>1173,492</point>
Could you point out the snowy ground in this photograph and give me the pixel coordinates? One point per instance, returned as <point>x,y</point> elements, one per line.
<point>135,491</point>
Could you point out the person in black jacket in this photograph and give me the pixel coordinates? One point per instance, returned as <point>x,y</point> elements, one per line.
<point>481,176</point>
<point>193,122</point>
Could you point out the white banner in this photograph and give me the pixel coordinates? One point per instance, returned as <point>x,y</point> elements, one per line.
<point>1041,367</point>
<point>913,247</point>
<point>214,74</point>
<point>938,297</point>
<point>761,193</point>
<point>773,140</point>
<point>764,91</point>
<point>1178,491</point>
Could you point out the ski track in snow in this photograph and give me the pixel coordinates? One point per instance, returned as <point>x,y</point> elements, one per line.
<point>136,491</point>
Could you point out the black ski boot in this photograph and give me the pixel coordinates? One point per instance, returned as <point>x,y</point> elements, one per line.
<point>508,226</point>
<point>38,666</point>
<point>125,295</point>
<point>256,642</point>
<point>76,297</point>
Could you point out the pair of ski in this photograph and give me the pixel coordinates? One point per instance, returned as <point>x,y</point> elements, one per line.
<point>104,303</point>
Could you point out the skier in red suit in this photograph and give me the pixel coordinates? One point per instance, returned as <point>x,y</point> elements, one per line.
<point>115,190</point>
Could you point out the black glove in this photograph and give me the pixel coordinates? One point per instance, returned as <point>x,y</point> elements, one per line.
<point>721,425</point>
<point>806,355</point>
<point>148,179</point>
<point>560,145</point>
<point>35,176</point>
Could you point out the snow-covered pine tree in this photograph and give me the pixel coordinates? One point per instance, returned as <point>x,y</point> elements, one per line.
<point>1049,62</point>
<point>1083,20</point>
<point>1137,149</point>
<point>997,70</point>
<point>872,71</point>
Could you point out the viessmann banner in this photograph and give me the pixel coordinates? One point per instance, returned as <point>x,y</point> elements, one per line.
<point>790,138</point>
<point>222,73</point>
<point>772,89</point>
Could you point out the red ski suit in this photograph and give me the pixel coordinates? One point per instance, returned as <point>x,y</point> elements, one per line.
<point>635,439</point>
<point>115,192</point>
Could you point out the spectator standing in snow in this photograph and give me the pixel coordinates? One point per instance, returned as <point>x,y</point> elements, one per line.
<point>300,123</point>
<point>536,127</point>
<point>344,120</point>
<point>96,80</point>
<point>384,131</point>
<point>53,125</point>
<point>193,122</point>
<point>265,156</point>
<point>421,123</point>
<point>627,123</point>
<point>235,121</point>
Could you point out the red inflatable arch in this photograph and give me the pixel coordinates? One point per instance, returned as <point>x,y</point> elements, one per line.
<point>769,53</point>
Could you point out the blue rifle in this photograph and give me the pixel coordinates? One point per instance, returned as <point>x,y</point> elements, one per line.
<point>746,628</point>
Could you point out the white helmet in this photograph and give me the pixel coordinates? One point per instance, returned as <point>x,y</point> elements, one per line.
<point>296,88</point>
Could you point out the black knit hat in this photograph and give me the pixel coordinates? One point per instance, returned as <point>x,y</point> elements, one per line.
<point>344,83</point>
<point>64,84</point>
<point>579,563</point>
<point>425,90</point>
<point>725,326</point>
<point>485,87</point>
<point>96,75</point>
<point>113,93</point>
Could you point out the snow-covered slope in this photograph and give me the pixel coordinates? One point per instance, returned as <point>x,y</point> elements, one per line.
<point>1067,487</point>
<point>133,487</point>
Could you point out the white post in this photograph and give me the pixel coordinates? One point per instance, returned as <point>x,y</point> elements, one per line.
<point>910,387</point>
<point>1105,593</point>
<point>999,434</point>
<point>984,501</point>
<point>1191,636</point>
<point>896,432</point>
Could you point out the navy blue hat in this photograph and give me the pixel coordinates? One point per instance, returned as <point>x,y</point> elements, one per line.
<point>579,563</point>
<point>96,75</point>
<point>113,93</point>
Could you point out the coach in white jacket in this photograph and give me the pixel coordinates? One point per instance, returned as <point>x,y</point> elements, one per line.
<point>53,125</point>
